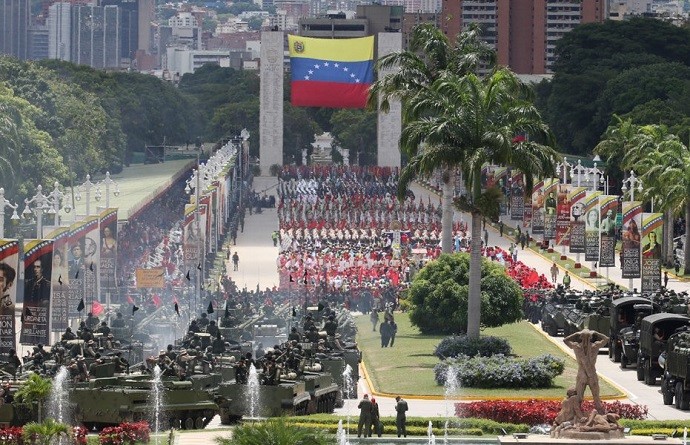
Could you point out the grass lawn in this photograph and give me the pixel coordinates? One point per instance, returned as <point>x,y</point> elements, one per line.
<point>407,368</point>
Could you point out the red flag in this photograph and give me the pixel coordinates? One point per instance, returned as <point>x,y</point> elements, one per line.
<point>96,308</point>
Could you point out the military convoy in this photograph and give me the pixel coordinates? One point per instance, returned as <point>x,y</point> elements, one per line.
<point>650,333</point>
<point>192,400</point>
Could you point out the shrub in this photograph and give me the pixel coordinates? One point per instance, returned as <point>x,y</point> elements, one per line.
<point>125,434</point>
<point>536,412</point>
<point>501,371</point>
<point>275,169</point>
<point>276,432</point>
<point>462,345</point>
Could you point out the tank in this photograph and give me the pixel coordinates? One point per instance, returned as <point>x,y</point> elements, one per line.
<point>108,401</point>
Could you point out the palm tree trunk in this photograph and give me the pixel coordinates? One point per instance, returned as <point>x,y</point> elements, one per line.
<point>667,245</point>
<point>447,211</point>
<point>686,245</point>
<point>474,299</point>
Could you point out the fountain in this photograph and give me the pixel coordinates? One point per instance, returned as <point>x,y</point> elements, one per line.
<point>58,402</point>
<point>445,433</point>
<point>252,394</point>
<point>430,433</point>
<point>450,388</point>
<point>348,383</point>
<point>157,400</point>
<point>341,435</point>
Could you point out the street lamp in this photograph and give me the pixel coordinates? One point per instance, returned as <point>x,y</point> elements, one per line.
<point>41,204</point>
<point>86,187</point>
<point>108,181</point>
<point>5,203</point>
<point>595,176</point>
<point>55,198</point>
<point>577,172</point>
<point>196,180</point>
<point>562,168</point>
<point>630,184</point>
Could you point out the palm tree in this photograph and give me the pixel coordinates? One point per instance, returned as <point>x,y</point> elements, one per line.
<point>467,121</point>
<point>44,433</point>
<point>430,56</point>
<point>667,173</point>
<point>34,390</point>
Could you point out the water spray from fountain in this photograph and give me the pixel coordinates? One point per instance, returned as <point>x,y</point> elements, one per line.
<point>58,401</point>
<point>451,388</point>
<point>252,395</point>
<point>157,400</point>
<point>341,435</point>
<point>348,390</point>
<point>430,433</point>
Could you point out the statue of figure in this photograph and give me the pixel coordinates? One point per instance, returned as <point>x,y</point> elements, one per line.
<point>570,409</point>
<point>586,348</point>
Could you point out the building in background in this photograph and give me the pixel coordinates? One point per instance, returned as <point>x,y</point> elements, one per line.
<point>96,36</point>
<point>14,28</point>
<point>412,19</point>
<point>135,29</point>
<point>59,31</point>
<point>524,33</point>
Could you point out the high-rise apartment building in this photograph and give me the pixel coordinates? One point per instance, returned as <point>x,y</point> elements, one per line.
<point>14,28</point>
<point>85,34</point>
<point>524,32</point>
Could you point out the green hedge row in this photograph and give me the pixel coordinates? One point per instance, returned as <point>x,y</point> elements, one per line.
<point>417,426</point>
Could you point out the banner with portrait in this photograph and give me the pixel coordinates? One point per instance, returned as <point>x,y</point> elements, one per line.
<point>501,179</point>
<point>38,271</point>
<point>538,208</point>
<point>632,238</point>
<point>190,236</point>
<point>108,251</point>
<point>517,196</point>
<point>576,238</point>
<point>204,223</point>
<point>563,215</point>
<point>82,262</point>
<point>9,275</point>
<point>652,229</point>
<point>608,208</point>
<point>591,213</point>
<point>550,207</point>
<point>59,297</point>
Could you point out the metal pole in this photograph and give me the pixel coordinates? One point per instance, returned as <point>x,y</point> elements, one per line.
<point>5,203</point>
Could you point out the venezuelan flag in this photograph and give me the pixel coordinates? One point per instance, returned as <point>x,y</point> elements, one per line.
<point>332,73</point>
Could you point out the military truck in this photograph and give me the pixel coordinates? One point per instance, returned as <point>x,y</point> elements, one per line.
<point>675,382</point>
<point>654,333</point>
<point>623,315</point>
<point>630,338</point>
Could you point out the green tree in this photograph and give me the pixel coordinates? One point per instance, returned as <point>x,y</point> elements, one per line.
<point>355,130</point>
<point>592,81</point>
<point>439,296</point>
<point>44,433</point>
<point>274,432</point>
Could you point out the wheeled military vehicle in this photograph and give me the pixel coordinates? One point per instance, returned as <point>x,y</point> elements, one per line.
<point>675,382</point>
<point>654,333</point>
<point>623,315</point>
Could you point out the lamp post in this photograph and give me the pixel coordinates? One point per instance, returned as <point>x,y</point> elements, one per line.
<point>595,175</point>
<point>41,204</point>
<point>108,182</point>
<point>196,180</point>
<point>86,187</point>
<point>5,203</point>
<point>577,172</point>
<point>56,197</point>
<point>631,183</point>
<point>562,168</point>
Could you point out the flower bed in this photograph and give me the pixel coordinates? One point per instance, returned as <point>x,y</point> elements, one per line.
<point>125,434</point>
<point>536,412</point>
<point>13,435</point>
